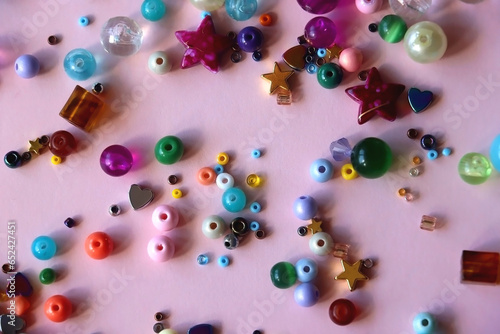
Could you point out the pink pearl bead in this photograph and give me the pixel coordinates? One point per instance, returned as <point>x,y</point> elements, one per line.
<point>351,59</point>
<point>368,6</point>
<point>165,217</point>
<point>161,248</point>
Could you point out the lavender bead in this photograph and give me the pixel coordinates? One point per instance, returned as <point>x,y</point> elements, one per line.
<point>306,294</point>
<point>320,32</point>
<point>250,39</point>
<point>27,66</point>
<point>305,207</point>
<point>318,6</point>
<point>116,160</point>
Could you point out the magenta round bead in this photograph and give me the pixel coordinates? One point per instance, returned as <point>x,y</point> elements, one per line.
<point>320,32</point>
<point>318,6</point>
<point>116,160</point>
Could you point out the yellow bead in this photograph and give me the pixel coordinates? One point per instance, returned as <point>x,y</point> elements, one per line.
<point>348,172</point>
<point>416,160</point>
<point>56,160</point>
<point>176,193</point>
<point>402,191</point>
<point>222,158</point>
<point>253,180</point>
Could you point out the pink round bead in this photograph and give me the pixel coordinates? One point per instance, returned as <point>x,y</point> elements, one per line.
<point>161,248</point>
<point>368,6</point>
<point>165,217</point>
<point>351,59</point>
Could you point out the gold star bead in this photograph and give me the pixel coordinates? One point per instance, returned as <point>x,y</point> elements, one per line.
<point>351,274</point>
<point>315,226</point>
<point>278,78</point>
<point>35,146</point>
<point>333,52</point>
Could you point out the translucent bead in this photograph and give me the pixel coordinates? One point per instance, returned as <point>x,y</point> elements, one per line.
<point>350,59</point>
<point>371,157</point>
<point>415,171</point>
<point>253,180</point>
<point>43,247</point>
<point>321,170</point>
<point>250,39</point>
<point>340,149</point>
<point>161,248</point>
<point>121,36</point>
<point>47,276</point>
<point>416,160</point>
<point>83,109</point>
<point>480,267</point>
<point>409,197</point>
<point>27,66</point>
<point>368,6</point>
<point>342,312</point>
<point>222,158</point>
<point>224,181</point>
<point>305,207</point>
<point>428,223</point>
<point>202,259</point>
<point>474,168</point>
<point>424,323</point>
<point>62,143</point>
<point>169,150</point>
<point>283,275</point>
<point>99,245</point>
<point>401,191</point>
<point>213,227</point>
<point>206,176</point>
<point>306,294</point>
<point>340,250</point>
<point>158,62</point>
<point>58,308</point>
<point>410,9</point>
<point>392,28</point>
<point>330,75</point>
<point>318,6</point>
<point>283,97</point>
<point>165,218</point>
<point>255,207</point>
<point>306,269</point>
<point>425,42</point>
<point>79,64</point>
<point>241,10</point>
<point>116,160</point>
<point>234,199</point>
<point>321,243</point>
<point>348,172</point>
<point>207,5</point>
<point>223,261</point>
<point>153,10</point>
<point>320,32</point>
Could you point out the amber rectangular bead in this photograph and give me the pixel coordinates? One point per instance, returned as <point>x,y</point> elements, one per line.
<point>83,109</point>
<point>480,267</point>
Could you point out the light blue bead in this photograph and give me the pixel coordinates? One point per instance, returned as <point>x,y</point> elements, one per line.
<point>254,226</point>
<point>202,259</point>
<point>43,247</point>
<point>321,52</point>
<point>495,153</point>
<point>424,323</point>
<point>311,68</point>
<point>234,200</point>
<point>153,10</point>
<point>446,151</point>
<point>255,207</point>
<point>306,269</point>
<point>83,21</point>
<point>321,170</point>
<point>219,169</point>
<point>432,154</point>
<point>223,261</point>
<point>205,14</point>
<point>256,154</point>
<point>241,10</point>
<point>305,207</point>
<point>79,64</point>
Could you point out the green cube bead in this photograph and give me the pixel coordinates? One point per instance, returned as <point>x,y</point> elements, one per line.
<point>169,150</point>
<point>47,276</point>
<point>283,275</point>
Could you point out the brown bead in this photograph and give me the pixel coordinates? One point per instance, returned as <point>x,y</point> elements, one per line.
<point>62,143</point>
<point>83,109</point>
<point>342,312</point>
<point>159,316</point>
<point>480,267</point>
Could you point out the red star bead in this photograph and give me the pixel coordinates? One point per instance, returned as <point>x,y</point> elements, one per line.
<point>203,45</point>
<point>375,97</point>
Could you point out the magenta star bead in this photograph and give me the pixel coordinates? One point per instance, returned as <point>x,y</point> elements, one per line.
<point>375,97</point>
<point>203,45</point>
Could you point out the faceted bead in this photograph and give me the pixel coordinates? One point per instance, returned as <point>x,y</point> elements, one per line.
<point>234,200</point>
<point>12,159</point>
<point>283,275</point>
<point>201,329</point>
<point>241,10</point>
<point>27,66</point>
<point>116,160</point>
<point>169,150</point>
<point>83,109</point>
<point>474,168</point>
<point>480,267</point>
<point>321,170</point>
<point>306,294</point>
<point>321,243</point>
<point>206,176</point>
<point>428,223</point>
<point>392,28</point>
<point>159,63</point>
<point>207,5</point>
<point>371,157</point>
<point>161,248</point>
<point>340,149</point>
<point>213,227</point>
<point>305,207</point>
<point>239,226</point>
<point>121,36</point>
<point>58,308</point>
<point>342,312</point>
<point>79,64</point>
<point>43,247</point>
<point>47,276</point>
<point>424,323</point>
<point>165,218</point>
<point>231,241</point>
<point>330,75</point>
<point>320,32</point>
<point>425,42</point>
<point>62,143</point>
<point>318,6</point>
<point>98,245</point>
<point>153,10</point>
<point>250,39</point>
<point>306,269</point>
<point>428,142</point>
<point>410,9</point>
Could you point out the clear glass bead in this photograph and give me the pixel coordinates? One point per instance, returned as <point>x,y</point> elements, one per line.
<point>414,171</point>
<point>121,36</point>
<point>428,223</point>
<point>202,259</point>
<point>410,9</point>
<point>340,250</point>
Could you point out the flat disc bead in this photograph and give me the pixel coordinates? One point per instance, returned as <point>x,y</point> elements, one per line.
<point>116,160</point>
<point>392,28</point>
<point>283,275</point>
<point>321,243</point>
<point>165,218</point>
<point>169,150</point>
<point>213,227</point>
<point>161,248</point>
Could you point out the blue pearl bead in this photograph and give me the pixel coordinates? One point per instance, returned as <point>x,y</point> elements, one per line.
<point>219,169</point>
<point>447,151</point>
<point>255,207</point>
<point>153,10</point>
<point>306,294</point>
<point>424,323</point>
<point>321,170</point>
<point>256,154</point>
<point>250,39</point>
<point>241,10</point>
<point>254,226</point>
<point>43,247</point>
<point>234,199</point>
<point>27,66</point>
<point>79,64</point>
<point>223,261</point>
<point>306,269</point>
<point>305,207</point>
<point>83,21</point>
<point>202,259</point>
<point>432,154</point>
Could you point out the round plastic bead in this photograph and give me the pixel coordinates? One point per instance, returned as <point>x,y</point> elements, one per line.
<point>223,261</point>
<point>318,6</point>
<point>121,36</point>
<point>306,294</point>
<point>99,245</point>
<point>224,181</point>
<point>116,160</point>
<point>83,21</point>
<point>169,150</point>
<point>158,62</point>
<point>43,247</point>
<point>241,10</point>
<point>27,66</point>
<point>255,207</point>
<point>253,180</point>
<point>69,222</point>
<point>283,275</point>
<point>254,226</point>
<point>218,169</point>
<point>368,6</point>
<point>474,168</point>
<point>447,151</point>
<point>176,193</point>
<point>165,218</point>
<point>350,59</point>
<point>206,176</point>
<point>12,159</point>
<point>495,153</point>
<point>432,154</point>
<point>234,200</point>
<point>58,308</point>
<point>161,248</point>
<point>305,207</point>
<point>392,28</point>
<point>321,170</point>
<point>153,10</point>
<point>321,243</point>
<point>320,32</point>
<point>371,157</point>
<point>207,5</point>
<point>231,241</point>
<point>56,160</point>
<point>222,159</point>
<point>424,323</point>
<point>348,172</point>
<point>213,227</point>
<point>250,39</point>
<point>62,143</point>
<point>202,259</point>
<point>306,269</point>
<point>256,154</point>
<point>342,312</point>
<point>266,20</point>
<point>330,75</point>
<point>47,276</point>
<point>79,64</point>
<point>428,142</point>
<point>410,9</point>
<point>425,42</point>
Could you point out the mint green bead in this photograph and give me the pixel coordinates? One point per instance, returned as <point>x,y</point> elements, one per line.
<point>169,150</point>
<point>392,28</point>
<point>330,75</point>
<point>283,275</point>
<point>474,168</point>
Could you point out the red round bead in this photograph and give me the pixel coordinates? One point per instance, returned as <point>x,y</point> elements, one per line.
<point>99,245</point>
<point>342,312</point>
<point>62,143</point>
<point>58,308</point>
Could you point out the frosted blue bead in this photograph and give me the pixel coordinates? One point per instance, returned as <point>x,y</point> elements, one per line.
<point>234,199</point>
<point>306,294</point>
<point>305,207</point>
<point>27,66</point>
<point>306,269</point>
<point>83,21</point>
<point>321,52</point>
<point>495,153</point>
<point>153,10</point>
<point>254,226</point>
<point>432,154</point>
<point>321,170</point>
<point>223,261</point>
<point>446,151</point>
<point>255,207</point>
<point>340,149</point>
<point>202,259</point>
<point>424,323</point>
<point>241,10</point>
<point>256,154</point>
<point>43,247</point>
<point>79,64</point>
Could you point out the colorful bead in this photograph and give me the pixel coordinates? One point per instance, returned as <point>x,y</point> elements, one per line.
<point>121,36</point>
<point>340,149</point>
<point>165,218</point>
<point>424,323</point>
<point>116,160</point>
<point>425,42</point>
<point>266,20</point>
<point>47,276</point>
<point>27,66</point>
<point>62,143</point>
<point>318,6</point>
<point>392,28</point>
<point>22,285</point>
<point>234,200</point>
<point>161,248</point>
<point>321,170</point>
<point>409,197</point>
<point>201,329</point>
<point>213,227</point>
<point>342,312</point>
<point>250,39</point>
<point>447,151</point>
<point>305,207</point>
<point>306,269</point>
<point>153,10</point>
<point>176,193</point>
<point>222,158</point>
<point>474,168</point>
<point>254,226</point>
<point>12,159</point>
<point>219,169</point>
<point>494,153</point>
<point>415,171</point>
<point>69,222</point>
<point>82,109</point>
<point>99,245</point>
<point>173,179</point>
<point>410,10</point>
<point>204,14</point>
<point>480,267</point>
<point>22,305</point>
<point>432,154</point>
<point>202,259</point>
<point>26,156</point>
<point>428,223</point>
<point>241,10</point>
<point>159,63</point>
<point>83,21</point>
<point>348,172</point>
<point>58,308</point>
<point>79,64</point>
<point>416,160</point>
<point>231,241</point>
<point>321,243</point>
<point>207,5</point>
<point>306,294</point>
<point>256,154</point>
<point>321,52</point>
<point>350,59</point>
<point>283,275</point>
<point>419,101</point>
<point>371,157</point>
<point>315,225</point>
<point>401,192</point>
<point>312,68</point>
<point>330,75</point>
<point>224,181</point>
<point>223,261</point>
<point>114,210</point>
<point>368,6</point>
<point>55,160</point>
<point>320,32</point>
<point>255,207</point>
<point>43,247</point>
<point>169,150</point>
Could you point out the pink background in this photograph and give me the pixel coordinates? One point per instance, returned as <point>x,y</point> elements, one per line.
<point>231,111</point>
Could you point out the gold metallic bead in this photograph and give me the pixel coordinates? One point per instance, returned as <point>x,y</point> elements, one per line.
<point>36,146</point>
<point>416,160</point>
<point>56,160</point>
<point>348,172</point>
<point>315,225</point>
<point>401,191</point>
<point>176,193</point>
<point>222,158</point>
<point>352,273</point>
<point>253,180</point>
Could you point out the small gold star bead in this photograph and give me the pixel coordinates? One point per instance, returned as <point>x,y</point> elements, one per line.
<point>278,78</point>
<point>351,273</point>
<point>333,52</point>
<point>35,146</point>
<point>315,226</point>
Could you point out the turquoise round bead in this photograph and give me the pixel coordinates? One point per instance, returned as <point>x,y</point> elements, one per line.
<point>255,207</point>
<point>169,150</point>
<point>153,10</point>
<point>241,10</point>
<point>474,168</point>
<point>432,154</point>
<point>424,323</point>
<point>234,200</point>
<point>330,75</point>
<point>223,261</point>
<point>79,64</point>
<point>392,28</point>
<point>43,247</point>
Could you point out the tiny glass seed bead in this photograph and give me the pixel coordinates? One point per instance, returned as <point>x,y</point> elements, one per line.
<point>256,154</point>
<point>312,68</point>
<point>302,231</point>
<point>176,193</point>
<point>159,316</point>
<point>219,169</point>
<point>222,158</point>
<point>55,160</point>
<point>257,56</point>
<point>254,226</point>
<point>424,323</point>
<point>412,133</point>
<point>416,160</point>
<point>401,191</point>
<point>446,151</point>
<point>368,263</point>
<point>321,52</point>
<point>409,197</point>
<point>253,180</point>
<point>414,171</point>
<point>260,234</point>
<point>223,261</point>
<point>114,210</point>
<point>6,268</point>
<point>257,332</point>
<point>158,327</point>
<point>26,156</point>
<point>173,179</point>
<point>83,21</point>
<point>44,140</point>
<point>373,27</point>
<point>266,20</point>
<point>309,59</point>
<point>255,207</point>
<point>236,57</point>
<point>363,75</point>
<point>340,250</point>
<point>52,40</point>
<point>70,222</point>
<point>202,259</point>
<point>428,223</point>
<point>428,142</point>
<point>348,172</point>
<point>205,14</point>
<point>432,154</point>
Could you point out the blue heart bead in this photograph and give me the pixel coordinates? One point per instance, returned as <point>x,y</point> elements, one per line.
<point>201,329</point>
<point>419,101</point>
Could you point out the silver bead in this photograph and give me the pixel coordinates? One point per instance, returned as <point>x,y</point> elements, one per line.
<point>114,210</point>
<point>231,241</point>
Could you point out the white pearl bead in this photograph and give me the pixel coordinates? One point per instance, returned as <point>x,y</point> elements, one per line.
<point>425,42</point>
<point>321,243</point>
<point>213,227</point>
<point>224,181</point>
<point>158,63</point>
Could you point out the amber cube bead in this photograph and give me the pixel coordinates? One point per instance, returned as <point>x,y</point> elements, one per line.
<point>480,267</point>
<point>82,109</point>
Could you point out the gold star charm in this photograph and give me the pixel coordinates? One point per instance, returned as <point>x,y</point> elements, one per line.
<point>35,146</point>
<point>333,52</point>
<point>278,78</point>
<point>351,274</point>
<point>315,226</point>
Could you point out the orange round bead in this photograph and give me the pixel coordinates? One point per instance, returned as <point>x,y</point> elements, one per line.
<point>266,20</point>
<point>99,245</point>
<point>58,308</point>
<point>206,176</point>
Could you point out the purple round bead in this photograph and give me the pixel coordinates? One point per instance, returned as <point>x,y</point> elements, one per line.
<point>318,6</point>
<point>27,66</point>
<point>305,207</point>
<point>306,294</point>
<point>250,39</point>
<point>116,160</point>
<point>320,32</point>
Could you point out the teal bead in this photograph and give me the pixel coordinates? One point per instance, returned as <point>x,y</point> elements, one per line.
<point>43,247</point>
<point>392,28</point>
<point>371,157</point>
<point>79,64</point>
<point>424,323</point>
<point>283,275</point>
<point>47,276</point>
<point>153,10</point>
<point>474,168</point>
<point>495,153</point>
<point>234,199</point>
<point>169,150</point>
<point>330,75</point>
<point>241,10</point>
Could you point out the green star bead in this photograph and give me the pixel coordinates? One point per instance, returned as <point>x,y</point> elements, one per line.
<point>169,150</point>
<point>371,157</point>
<point>283,275</point>
<point>392,28</point>
<point>47,276</point>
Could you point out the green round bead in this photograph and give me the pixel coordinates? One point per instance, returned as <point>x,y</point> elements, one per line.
<point>283,275</point>
<point>392,28</point>
<point>371,157</point>
<point>47,276</point>
<point>474,168</point>
<point>169,150</point>
<point>330,75</point>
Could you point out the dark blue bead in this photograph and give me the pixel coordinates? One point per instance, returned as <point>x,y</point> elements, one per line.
<point>257,55</point>
<point>428,142</point>
<point>250,39</point>
<point>70,222</point>
<point>12,159</point>
<point>201,329</point>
